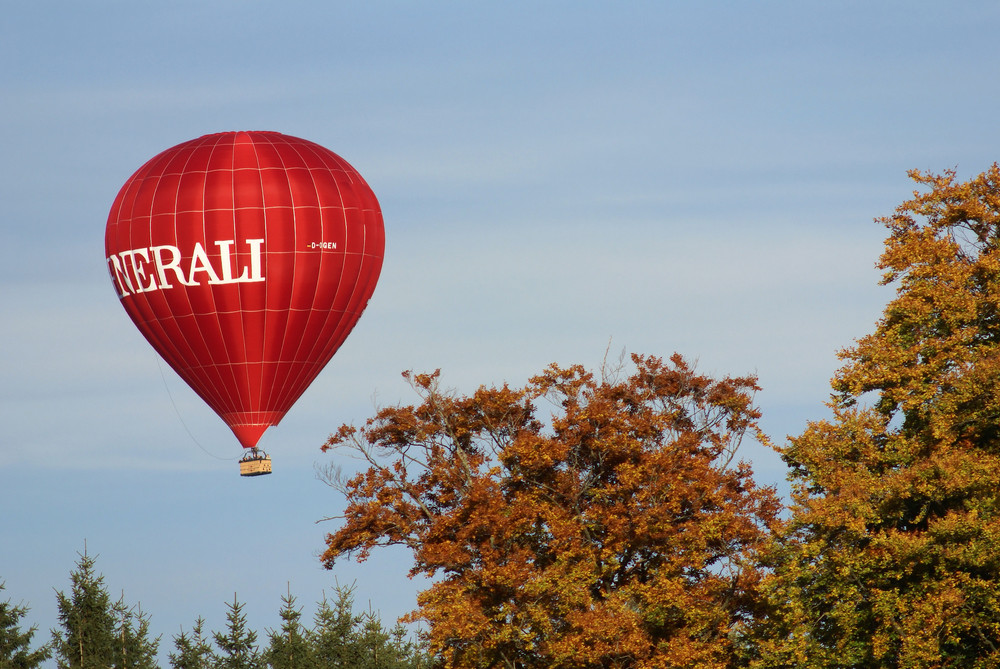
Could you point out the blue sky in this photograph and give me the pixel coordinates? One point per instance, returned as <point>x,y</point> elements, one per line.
<point>663,176</point>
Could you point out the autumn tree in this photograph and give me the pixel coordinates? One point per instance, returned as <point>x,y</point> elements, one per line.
<point>891,557</point>
<point>612,533</point>
<point>16,650</point>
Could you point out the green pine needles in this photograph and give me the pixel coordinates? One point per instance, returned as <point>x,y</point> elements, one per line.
<point>16,650</point>
<point>96,631</point>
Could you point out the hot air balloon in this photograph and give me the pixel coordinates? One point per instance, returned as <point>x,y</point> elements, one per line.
<point>245,259</point>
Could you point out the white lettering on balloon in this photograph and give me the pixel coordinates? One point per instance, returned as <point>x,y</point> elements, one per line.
<point>160,267</point>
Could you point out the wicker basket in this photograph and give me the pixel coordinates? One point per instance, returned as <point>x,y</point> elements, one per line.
<point>255,467</point>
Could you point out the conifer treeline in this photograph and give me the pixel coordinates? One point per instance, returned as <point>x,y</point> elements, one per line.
<point>96,632</point>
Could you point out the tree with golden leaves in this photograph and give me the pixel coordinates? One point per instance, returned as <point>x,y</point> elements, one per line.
<point>612,532</point>
<point>892,554</point>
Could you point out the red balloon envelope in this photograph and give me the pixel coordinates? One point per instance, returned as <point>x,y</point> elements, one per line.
<point>246,258</point>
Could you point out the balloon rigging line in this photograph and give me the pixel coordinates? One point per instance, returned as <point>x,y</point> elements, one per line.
<point>181,418</point>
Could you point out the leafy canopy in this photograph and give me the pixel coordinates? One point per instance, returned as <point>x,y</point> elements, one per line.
<point>612,533</point>
<point>892,554</point>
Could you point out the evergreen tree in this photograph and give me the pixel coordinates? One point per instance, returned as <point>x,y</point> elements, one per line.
<point>372,641</point>
<point>408,654</point>
<point>193,651</point>
<point>379,648</point>
<point>96,632</point>
<point>87,618</point>
<point>238,646</point>
<point>133,647</point>
<point>15,644</point>
<point>291,647</point>
<point>334,631</point>
<point>343,639</point>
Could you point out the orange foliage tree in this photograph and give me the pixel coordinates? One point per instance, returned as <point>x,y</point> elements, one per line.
<point>614,532</point>
<point>892,554</point>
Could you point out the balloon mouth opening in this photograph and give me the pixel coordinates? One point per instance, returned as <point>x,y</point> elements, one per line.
<point>248,434</point>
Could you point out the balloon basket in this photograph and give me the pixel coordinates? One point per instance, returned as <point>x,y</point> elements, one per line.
<point>255,463</point>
